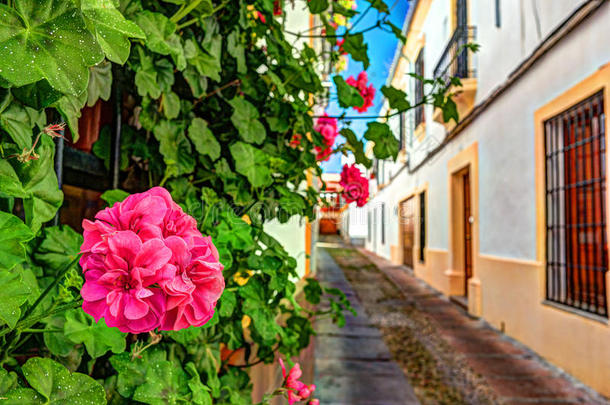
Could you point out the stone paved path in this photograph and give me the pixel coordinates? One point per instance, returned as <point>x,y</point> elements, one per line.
<point>353,366</point>
<point>515,374</point>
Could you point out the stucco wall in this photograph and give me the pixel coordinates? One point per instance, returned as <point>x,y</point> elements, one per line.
<point>509,275</point>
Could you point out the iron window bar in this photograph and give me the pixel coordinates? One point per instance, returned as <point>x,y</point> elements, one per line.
<point>456,59</point>
<point>576,238</point>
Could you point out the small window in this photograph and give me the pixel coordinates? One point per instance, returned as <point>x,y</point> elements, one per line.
<point>498,14</point>
<point>422,226</point>
<point>382,223</point>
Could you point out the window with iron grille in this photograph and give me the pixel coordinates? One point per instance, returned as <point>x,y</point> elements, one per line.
<point>422,225</point>
<point>419,88</point>
<point>576,242</point>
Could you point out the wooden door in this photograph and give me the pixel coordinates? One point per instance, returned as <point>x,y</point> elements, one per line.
<point>407,224</point>
<point>467,230</point>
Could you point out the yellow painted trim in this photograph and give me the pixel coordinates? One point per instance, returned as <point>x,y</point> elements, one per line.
<point>600,80</point>
<point>420,132</point>
<point>415,37</point>
<point>467,158</point>
<point>308,232</point>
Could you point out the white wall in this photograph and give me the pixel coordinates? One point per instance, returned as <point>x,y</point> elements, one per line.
<point>505,131</point>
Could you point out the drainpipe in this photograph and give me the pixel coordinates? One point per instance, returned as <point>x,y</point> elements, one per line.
<point>115,143</point>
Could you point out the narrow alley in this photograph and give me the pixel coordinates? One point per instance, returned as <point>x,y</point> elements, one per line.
<point>446,357</point>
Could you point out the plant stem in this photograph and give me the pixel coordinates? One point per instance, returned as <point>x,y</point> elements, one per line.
<point>56,281</point>
<point>183,12</point>
<point>33,330</point>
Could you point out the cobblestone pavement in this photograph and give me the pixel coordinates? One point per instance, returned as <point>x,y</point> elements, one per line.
<point>352,364</point>
<point>448,357</point>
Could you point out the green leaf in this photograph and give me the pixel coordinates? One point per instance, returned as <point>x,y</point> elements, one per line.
<point>17,121</point>
<point>203,139</point>
<point>354,45</point>
<point>396,98</point>
<point>236,49</point>
<point>97,337</point>
<point>185,336</point>
<point>158,29</point>
<point>113,196</point>
<point>171,105</point>
<point>200,394</point>
<point>43,39</point>
<point>100,83</point>
<point>227,304</point>
<point>37,95</point>
<point>450,111</point>
<point>349,96</point>
<point>161,37</point>
<point>252,163</point>
<point>317,6</point>
<point>132,373</point>
<point>57,343</point>
<point>196,82</point>
<point>313,291</point>
<point>61,244</point>
<point>70,107</point>
<point>165,383</point>
<point>13,294</point>
<point>357,147</point>
<point>111,29</point>
<point>245,118</point>
<point>175,148</point>
<point>8,381</point>
<point>56,385</point>
<point>386,145</point>
<point>379,5</point>
<point>35,182</point>
<point>206,61</point>
<point>13,236</point>
<point>397,32</point>
<point>146,76</point>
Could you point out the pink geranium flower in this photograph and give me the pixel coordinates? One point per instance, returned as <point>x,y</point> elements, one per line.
<point>197,285</point>
<point>119,285</point>
<point>327,127</point>
<point>147,266</point>
<point>367,92</point>
<point>296,390</point>
<point>355,186</point>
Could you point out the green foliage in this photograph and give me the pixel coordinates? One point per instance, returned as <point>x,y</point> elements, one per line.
<point>38,38</point>
<point>348,95</point>
<point>13,236</point>
<point>386,145</point>
<point>212,96</point>
<point>396,98</point>
<point>51,383</point>
<point>245,118</point>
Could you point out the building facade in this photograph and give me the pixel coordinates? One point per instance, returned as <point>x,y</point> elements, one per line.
<point>506,211</point>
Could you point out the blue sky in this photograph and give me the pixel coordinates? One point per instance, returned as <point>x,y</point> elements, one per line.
<point>382,46</point>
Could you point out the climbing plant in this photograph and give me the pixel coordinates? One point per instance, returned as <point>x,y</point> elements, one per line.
<point>215,101</point>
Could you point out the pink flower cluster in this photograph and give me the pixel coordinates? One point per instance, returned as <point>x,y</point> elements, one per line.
<point>355,186</point>
<point>326,126</point>
<point>147,266</point>
<point>367,92</point>
<point>297,390</point>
